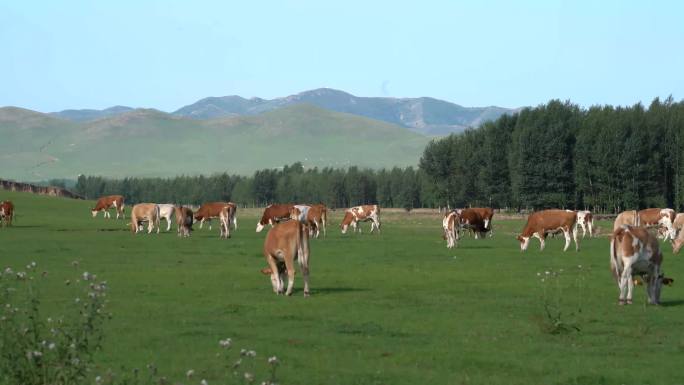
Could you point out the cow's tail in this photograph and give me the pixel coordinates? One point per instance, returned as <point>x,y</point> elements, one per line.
<point>134,223</point>
<point>303,247</point>
<point>157,220</point>
<point>614,259</point>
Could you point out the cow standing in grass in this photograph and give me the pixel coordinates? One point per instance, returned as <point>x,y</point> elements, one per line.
<point>477,220</point>
<point>273,214</point>
<point>6,213</point>
<point>105,203</point>
<point>635,252</point>
<point>166,211</point>
<point>286,243</point>
<point>211,210</point>
<point>226,217</point>
<point>312,216</point>
<point>365,213</point>
<point>585,220</point>
<point>450,224</point>
<point>184,220</point>
<point>541,223</point>
<point>145,212</point>
<point>653,217</point>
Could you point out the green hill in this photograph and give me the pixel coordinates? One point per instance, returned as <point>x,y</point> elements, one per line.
<point>146,142</point>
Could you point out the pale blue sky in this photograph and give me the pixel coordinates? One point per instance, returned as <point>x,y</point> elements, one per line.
<point>165,54</point>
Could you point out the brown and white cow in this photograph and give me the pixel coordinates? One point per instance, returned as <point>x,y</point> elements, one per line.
<point>273,214</point>
<point>145,212</point>
<point>585,220</point>
<point>365,213</point>
<point>450,224</point>
<point>226,217</point>
<point>541,223</point>
<point>285,243</point>
<point>477,220</point>
<point>312,216</point>
<point>677,226</point>
<point>678,242</point>
<point>211,210</point>
<point>184,220</point>
<point>6,213</point>
<point>653,217</point>
<point>106,202</point>
<point>321,211</point>
<point>634,251</point>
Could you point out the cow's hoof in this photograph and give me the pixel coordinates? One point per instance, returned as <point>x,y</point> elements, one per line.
<point>629,302</point>
<point>306,294</point>
<point>288,294</point>
<point>621,302</point>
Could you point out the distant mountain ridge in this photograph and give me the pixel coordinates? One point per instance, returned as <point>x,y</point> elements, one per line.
<point>424,115</point>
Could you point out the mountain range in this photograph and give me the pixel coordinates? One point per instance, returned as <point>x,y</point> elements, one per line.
<point>427,116</point>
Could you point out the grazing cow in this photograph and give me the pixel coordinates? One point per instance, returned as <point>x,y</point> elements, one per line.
<point>541,223</point>
<point>585,220</point>
<point>653,217</point>
<point>184,219</point>
<point>213,210</point>
<point>145,212</point>
<point>635,251</point>
<point>106,202</point>
<point>450,224</point>
<point>166,211</point>
<point>226,217</point>
<point>285,243</point>
<point>6,213</point>
<point>273,214</point>
<point>487,213</point>
<point>365,213</point>
<point>474,219</point>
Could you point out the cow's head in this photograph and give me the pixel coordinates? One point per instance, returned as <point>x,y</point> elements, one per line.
<point>346,221</point>
<point>524,242</point>
<point>260,226</point>
<point>666,218</point>
<point>94,212</point>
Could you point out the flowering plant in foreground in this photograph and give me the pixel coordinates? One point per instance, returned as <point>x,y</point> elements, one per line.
<point>52,349</point>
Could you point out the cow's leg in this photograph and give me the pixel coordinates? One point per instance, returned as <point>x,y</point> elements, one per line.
<point>168,223</point>
<point>625,283</point>
<point>541,240</point>
<point>575,235</point>
<point>276,282</point>
<point>289,266</point>
<point>566,234</point>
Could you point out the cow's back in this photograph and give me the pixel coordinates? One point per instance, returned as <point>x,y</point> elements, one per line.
<point>628,217</point>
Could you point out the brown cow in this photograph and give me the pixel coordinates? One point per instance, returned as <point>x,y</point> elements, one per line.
<point>285,243</point>
<point>474,219</point>
<point>273,214</point>
<point>6,213</point>
<point>653,217</point>
<point>323,215</point>
<point>635,251</point>
<point>211,210</point>
<point>145,212</point>
<point>226,217</point>
<point>450,224</point>
<point>312,216</point>
<point>365,213</point>
<point>541,223</point>
<point>106,202</point>
<point>184,219</point>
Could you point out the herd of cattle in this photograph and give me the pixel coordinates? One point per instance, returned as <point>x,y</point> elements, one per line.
<point>634,250</point>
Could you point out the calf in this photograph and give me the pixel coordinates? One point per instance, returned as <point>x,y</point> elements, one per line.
<point>145,212</point>
<point>450,224</point>
<point>285,243</point>
<point>634,251</point>
<point>585,220</point>
<point>365,213</point>
<point>166,211</point>
<point>6,213</point>
<point>273,214</point>
<point>105,203</point>
<point>541,223</point>
<point>184,219</point>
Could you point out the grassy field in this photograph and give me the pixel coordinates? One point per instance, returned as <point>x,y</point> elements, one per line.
<point>398,308</point>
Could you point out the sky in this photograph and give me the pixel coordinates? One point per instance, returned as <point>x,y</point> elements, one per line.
<point>167,54</point>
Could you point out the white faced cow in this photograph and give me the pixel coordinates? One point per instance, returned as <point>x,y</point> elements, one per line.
<point>358,214</point>
<point>653,217</point>
<point>541,223</point>
<point>585,220</point>
<point>105,203</point>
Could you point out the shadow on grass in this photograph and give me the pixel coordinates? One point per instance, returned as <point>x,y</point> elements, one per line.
<point>328,290</point>
<point>112,230</point>
<point>676,302</point>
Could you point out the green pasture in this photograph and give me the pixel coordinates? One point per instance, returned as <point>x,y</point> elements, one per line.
<point>395,308</point>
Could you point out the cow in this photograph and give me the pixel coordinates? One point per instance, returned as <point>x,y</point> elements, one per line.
<point>365,213</point>
<point>450,224</point>
<point>312,216</point>
<point>677,225</point>
<point>184,219</point>
<point>541,223</point>
<point>6,213</point>
<point>105,203</point>
<point>213,210</point>
<point>286,242</point>
<point>474,219</point>
<point>487,213</point>
<point>322,211</point>
<point>226,217</point>
<point>585,220</point>
<point>166,211</point>
<point>634,251</point>
<point>653,217</point>
<point>145,212</point>
<point>273,214</point>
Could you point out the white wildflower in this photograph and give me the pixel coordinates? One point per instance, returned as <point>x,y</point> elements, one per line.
<point>226,343</point>
<point>21,275</point>
<point>249,377</point>
<point>98,380</point>
<point>273,360</point>
<point>189,373</point>
<point>51,346</point>
<point>86,276</point>
<point>251,353</point>
<point>204,382</point>
<point>9,270</point>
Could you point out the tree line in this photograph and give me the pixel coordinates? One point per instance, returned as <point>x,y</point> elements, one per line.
<point>604,158</point>
<point>398,187</point>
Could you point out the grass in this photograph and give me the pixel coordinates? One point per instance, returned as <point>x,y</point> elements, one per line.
<point>398,308</point>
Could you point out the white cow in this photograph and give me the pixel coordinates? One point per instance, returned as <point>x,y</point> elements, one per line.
<point>166,211</point>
